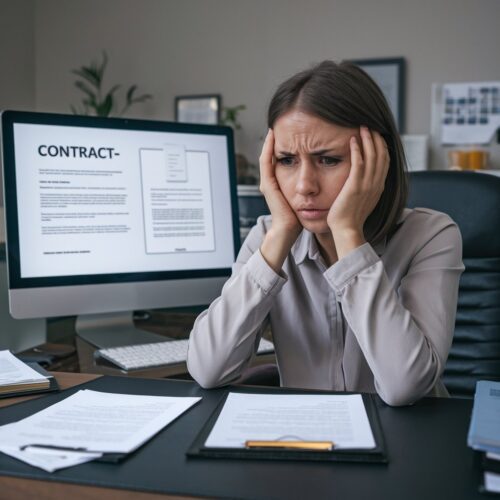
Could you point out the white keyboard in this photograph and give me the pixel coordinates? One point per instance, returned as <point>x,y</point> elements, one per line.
<point>141,356</point>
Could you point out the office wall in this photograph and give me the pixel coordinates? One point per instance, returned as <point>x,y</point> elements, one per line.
<point>17,54</point>
<point>17,57</point>
<point>243,49</point>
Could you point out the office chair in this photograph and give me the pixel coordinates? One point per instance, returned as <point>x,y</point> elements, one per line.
<point>472,200</point>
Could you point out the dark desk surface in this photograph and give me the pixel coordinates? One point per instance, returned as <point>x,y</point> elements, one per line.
<point>426,445</point>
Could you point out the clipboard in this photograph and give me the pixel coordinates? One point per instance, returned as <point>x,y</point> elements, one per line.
<point>373,455</point>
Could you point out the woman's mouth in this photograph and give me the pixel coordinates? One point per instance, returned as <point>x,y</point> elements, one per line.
<point>312,213</point>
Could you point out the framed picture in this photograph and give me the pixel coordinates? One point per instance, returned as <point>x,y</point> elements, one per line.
<point>391,78</point>
<point>198,109</point>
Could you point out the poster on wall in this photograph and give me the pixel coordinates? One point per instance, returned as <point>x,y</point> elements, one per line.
<point>470,112</point>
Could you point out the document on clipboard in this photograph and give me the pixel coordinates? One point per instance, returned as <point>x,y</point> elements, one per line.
<point>293,426</point>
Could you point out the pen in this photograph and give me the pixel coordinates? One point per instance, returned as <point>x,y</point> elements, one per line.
<point>59,448</point>
<point>295,445</point>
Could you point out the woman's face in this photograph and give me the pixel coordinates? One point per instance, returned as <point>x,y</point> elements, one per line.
<point>313,160</point>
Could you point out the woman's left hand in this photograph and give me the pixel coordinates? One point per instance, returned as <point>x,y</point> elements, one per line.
<point>361,192</point>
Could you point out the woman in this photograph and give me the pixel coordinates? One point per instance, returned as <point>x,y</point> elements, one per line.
<point>360,292</point>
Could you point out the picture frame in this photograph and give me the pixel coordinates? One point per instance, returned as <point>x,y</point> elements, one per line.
<point>202,108</point>
<point>390,76</point>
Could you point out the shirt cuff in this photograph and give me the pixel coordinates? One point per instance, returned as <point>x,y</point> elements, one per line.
<point>344,270</point>
<point>261,273</point>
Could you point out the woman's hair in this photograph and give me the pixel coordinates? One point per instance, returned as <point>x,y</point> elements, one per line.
<point>343,94</point>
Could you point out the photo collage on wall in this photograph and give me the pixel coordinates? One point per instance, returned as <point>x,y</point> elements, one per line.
<point>470,112</point>
<point>474,106</point>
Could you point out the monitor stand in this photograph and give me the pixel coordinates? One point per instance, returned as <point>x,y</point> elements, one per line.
<point>113,330</point>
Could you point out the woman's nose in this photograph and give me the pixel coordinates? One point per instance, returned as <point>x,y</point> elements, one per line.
<point>307,182</point>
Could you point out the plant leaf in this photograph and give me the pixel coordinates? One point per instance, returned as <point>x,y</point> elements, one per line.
<point>81,86</point>
<point>105,107</point>
<point>113,89</point>
<point>130,93</point>
<point>141,98</point>
<point>90,103</point>
<point>89,75</point>
<point>100,69</point>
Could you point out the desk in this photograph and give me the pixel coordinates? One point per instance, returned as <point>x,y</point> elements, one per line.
<point>426,446</point>
<point>13,487</point>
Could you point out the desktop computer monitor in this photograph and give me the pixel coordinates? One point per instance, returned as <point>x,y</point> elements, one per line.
<point>105,215</point>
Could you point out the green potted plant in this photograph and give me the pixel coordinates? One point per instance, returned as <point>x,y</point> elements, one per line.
<point>96,101</point>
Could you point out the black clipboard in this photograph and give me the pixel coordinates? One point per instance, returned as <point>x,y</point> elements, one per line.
<point>373,455</point>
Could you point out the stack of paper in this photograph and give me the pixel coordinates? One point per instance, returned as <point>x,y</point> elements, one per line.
<point>88,425</point>
<point>17,377</point>
<point>484,431</point>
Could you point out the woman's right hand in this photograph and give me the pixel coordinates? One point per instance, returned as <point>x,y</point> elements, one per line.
<point>285,226</point>
<point>284,219</point>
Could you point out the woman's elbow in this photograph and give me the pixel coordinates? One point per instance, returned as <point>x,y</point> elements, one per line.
<point>406,391</point>
<point>399,397</point>
<point>411,380</point>
<point>206,376</point>
<point>205,382</point>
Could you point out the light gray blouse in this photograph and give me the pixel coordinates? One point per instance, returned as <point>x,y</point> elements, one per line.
<point>380,319</point>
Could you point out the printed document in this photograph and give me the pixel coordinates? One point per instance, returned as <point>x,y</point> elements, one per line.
<point>492,482</point>
<point>50,459</point>
<point>91,422</point>
<point>178,211</point>
<point>14,371</point>
<point>341,419</point>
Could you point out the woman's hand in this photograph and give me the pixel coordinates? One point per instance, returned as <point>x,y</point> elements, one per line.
<point>360,193</point>
<point>285,226</point>
<point>284,219</point>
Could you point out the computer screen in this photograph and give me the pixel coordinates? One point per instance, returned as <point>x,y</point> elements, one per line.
<point>107,214</point>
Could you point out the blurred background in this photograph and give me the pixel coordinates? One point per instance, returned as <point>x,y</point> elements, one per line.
<point>241,50</point>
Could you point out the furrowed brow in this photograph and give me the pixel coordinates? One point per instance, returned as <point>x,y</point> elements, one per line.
<point>321,152</point>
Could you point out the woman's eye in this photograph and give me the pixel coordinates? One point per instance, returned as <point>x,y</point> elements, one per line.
<point>329,160</point>
<point>285,161</point>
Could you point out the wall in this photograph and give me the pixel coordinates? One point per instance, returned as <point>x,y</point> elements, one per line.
<point>17,57</point>
<point>17,54</point>
<point>17,91</point>
<point>243,49</point>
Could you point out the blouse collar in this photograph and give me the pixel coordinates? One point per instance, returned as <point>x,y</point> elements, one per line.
<point>307,246</point>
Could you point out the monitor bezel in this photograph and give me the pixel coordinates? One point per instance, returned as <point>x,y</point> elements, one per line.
<point>10,118</point>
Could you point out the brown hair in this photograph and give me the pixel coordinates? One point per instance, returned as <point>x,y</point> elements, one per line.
<point>343,94</point>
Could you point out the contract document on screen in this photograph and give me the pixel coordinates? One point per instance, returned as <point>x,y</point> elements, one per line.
<point>88,424</point>
<point>341,419</point>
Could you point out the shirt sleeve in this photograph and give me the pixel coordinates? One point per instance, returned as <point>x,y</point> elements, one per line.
<point>226,335</point>
<point>404,334</point>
